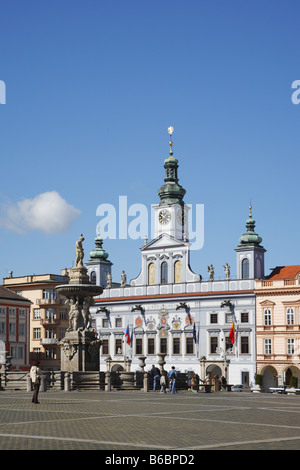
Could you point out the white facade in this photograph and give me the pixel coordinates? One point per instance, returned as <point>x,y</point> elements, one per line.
<point>169,309</point>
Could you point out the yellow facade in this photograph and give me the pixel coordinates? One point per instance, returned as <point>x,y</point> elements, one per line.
<point>48,315</point>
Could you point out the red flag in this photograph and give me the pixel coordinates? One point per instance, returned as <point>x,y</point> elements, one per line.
<point>231,333</point>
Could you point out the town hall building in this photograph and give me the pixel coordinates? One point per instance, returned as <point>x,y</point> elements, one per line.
<point>168,310</point>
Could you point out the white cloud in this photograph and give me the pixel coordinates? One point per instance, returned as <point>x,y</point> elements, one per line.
<point>47,212</point>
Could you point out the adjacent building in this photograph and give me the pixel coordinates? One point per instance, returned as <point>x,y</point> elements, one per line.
<point>14,329</point>
<point>48,315</point>
<point>278,326</point>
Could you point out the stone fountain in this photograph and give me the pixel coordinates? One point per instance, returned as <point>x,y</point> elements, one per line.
<point>79,347</point>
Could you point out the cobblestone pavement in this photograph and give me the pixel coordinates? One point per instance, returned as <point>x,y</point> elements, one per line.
<point>184,423</point>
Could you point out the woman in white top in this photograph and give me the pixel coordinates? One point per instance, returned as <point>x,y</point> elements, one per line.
<point>35,375</point>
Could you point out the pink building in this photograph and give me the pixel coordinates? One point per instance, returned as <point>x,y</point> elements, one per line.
<point>278,326</point>
<point>14,328</point>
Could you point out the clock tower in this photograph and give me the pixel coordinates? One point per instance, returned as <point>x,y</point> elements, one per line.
<point>171,214</point>
<point>166,259</point>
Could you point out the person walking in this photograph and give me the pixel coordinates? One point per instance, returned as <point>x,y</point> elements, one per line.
<point>155,375</point>
<point>163,383</point>
<point>172,375</point>
<point>35,375</point>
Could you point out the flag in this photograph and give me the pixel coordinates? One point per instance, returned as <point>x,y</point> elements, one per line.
<point>194,333</point>
<point>127,335</point>
<point>231,333</point>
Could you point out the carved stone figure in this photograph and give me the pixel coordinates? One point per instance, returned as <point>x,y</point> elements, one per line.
<point>123,279</point>
<point>79,251</point>
<point>69,348</point>
<point>108,280</point>
<point>227,270</point>
<point>87,318</point>
<point>211,272</point>
<point>74,314</point>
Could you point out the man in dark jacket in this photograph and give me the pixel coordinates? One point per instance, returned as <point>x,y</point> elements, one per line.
<point>155,375</point>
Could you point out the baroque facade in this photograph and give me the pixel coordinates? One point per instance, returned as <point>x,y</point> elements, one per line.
<point>169,310</point>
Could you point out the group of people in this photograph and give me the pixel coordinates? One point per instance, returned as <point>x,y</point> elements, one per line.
<point>164,379</point>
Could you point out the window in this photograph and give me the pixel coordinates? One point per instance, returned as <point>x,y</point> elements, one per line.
<point>2,328</point>
<point>268,346</point>
<point>228,343</point>
<point>50,313</point>
<point>267,317</point>
<point>163,345</point>
<point>229,318</point>
<point>50,333</point>
<point>36,353</point>
<point>290,346</point>
<point>105,323</point>
<point>213,318</point>
<point>177,271</point>
<point>244,317</point>
<point>164,272</point>
<point>138,346</point>
<point>63,314</point>
<point>36,313</point>
<point>12,311</point>
<point>93,278</point>
<point>244,345</point>
<point>151,274</point>
<point>151,349</point>
<point>290,316</point>
<point>105,347</point>
<point>62,333</point>
<point>50,353</point>
<point>213,344</point>
<point>176,345</point>
<point>22,329</point>
<point>119,346</point>
<point>245,268</point>
<point>118,322</point>
<point>12,328</point>
<point>36,333</point>
<point>49,294</point>
<point>189,345</point>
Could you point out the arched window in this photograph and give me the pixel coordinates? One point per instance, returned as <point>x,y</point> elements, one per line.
<point>151,274</point>
<point>164,273</point>
<point>177,271</point>
<point>245,268</point>
<point>93,278</point>
<point>290,316</point>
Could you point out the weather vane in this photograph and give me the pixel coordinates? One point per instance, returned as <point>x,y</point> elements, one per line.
<point>170,131</point>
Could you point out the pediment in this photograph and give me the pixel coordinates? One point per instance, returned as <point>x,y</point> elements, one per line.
<point>165,240</point>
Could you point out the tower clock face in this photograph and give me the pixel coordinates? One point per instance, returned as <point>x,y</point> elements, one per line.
<point>164,216</point>
<point>181,217</point>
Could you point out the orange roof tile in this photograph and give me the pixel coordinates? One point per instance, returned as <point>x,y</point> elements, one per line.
<point>284,272</point>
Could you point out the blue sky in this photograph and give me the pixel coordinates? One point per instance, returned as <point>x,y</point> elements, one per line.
<point>91,88</point>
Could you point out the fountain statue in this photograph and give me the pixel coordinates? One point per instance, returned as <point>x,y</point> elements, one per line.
<point>79,347</point>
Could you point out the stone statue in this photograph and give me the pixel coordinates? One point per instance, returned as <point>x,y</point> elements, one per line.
<point>227,270</point>
<point>123,279</point>
<point>73,314</point>
<point>87,318</point>
<point>79,251</point>
<point>108,280</point>
<point>211,272</point>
